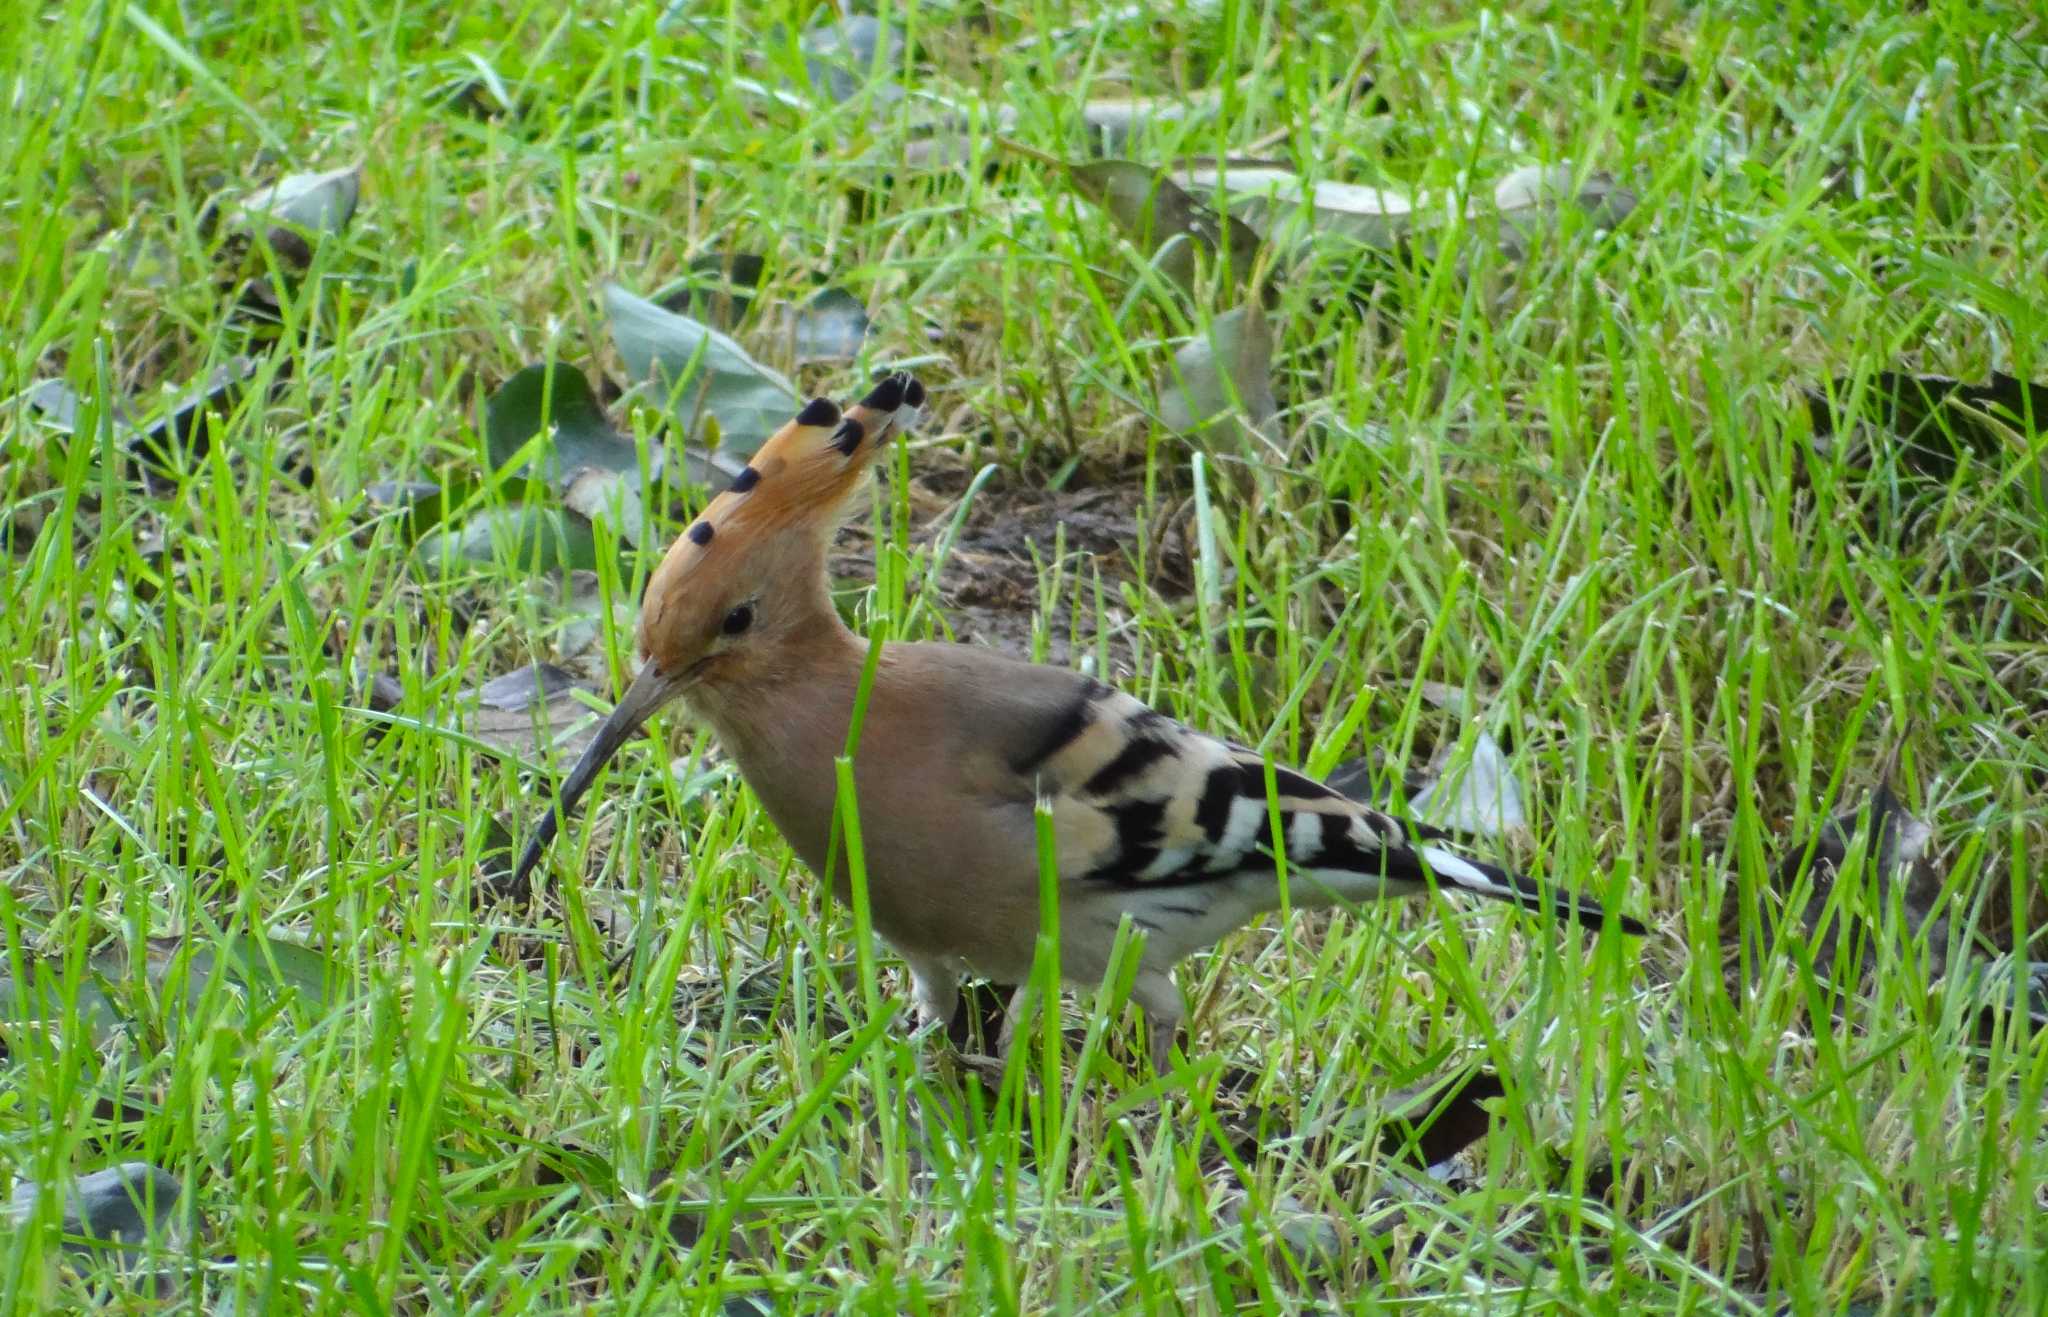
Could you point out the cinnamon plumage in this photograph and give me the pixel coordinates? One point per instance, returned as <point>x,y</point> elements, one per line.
<point>1153,821</point>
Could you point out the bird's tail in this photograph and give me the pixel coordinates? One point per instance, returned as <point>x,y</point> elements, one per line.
<point>1484,879</point>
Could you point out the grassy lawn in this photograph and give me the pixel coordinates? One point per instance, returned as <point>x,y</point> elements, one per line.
<point>1542,485</point>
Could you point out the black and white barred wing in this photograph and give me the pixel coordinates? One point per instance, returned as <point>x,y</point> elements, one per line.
<point>1142,801</point>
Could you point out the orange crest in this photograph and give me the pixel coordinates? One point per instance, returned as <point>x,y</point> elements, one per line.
<point>781,508</point>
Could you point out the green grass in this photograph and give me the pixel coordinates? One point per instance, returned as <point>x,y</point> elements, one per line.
<point>1575,487</point>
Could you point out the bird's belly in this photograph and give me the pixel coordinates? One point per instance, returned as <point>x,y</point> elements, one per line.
<point>935,904</point>
<point>970,926</point>
<point>1173,920</point>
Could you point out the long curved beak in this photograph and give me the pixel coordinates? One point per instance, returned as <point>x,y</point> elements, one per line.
<point>651,689</point>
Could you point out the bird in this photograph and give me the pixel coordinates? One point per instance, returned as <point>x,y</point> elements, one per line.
<point>961,746</point>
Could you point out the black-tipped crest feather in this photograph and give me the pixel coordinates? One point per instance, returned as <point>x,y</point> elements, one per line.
<point>819,412</point>
<point>888,395</point>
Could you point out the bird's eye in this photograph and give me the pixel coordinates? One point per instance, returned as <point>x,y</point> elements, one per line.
<point>738,620</point>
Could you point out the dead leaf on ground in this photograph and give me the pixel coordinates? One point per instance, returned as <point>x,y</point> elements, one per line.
<point>521,538</point>
<point>420,507</point>
<point>1290,211</point>
<point>1528,202</point>
<point>828,326</point>
<point>595,472</point>
<point>1479,797</point>
<point>258,963</point>
<point>1937,418</point>
<point>556,400</point>
<point>1110,125</point>
<point>295,212</point>
<point>177,435</point>
<point>1219,391</point>
<point>1166,224</point>
<point>532,712</point>
<point>1297,1238</point>
<point>612,499</point>
<point>854,54</point>
<point>1279,204</point>
<point>173,433</point>
<point>697,375</point>
<point>50,403</point>
<point>288,219</point>
<point>1895,849</point>
<point>1113,123</point>
<point>111,1213</point>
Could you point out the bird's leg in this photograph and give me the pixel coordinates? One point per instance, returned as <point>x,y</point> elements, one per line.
<point>991,1068</point>
<point>935,992</point>
<point>1013,1015</point>
<point>1159,998</point>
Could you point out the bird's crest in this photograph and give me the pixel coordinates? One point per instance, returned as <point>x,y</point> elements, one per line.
<point>794,491</point>
<point>808,469</point>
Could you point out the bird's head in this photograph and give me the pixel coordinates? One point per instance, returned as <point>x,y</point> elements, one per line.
<point>739,581</point>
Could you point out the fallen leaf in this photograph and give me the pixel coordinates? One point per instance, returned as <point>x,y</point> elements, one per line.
<point>1300,1239</point>
<point>323,202</point>
<point>178,435</point>
<point>611,498</point>
<point>1897,854</point>
<point>1110,125</point>
<point>1935,415</point>
<point>1289,210</point>
<point>829,325</point>
<point>1280,205</point>
<point>940,151</point>
<point>557,399</point>
<point>695,372</point>
<point>296,211</point>
<point>1530,199</point>
<point>1434,1121</point>
<point>1220,389</point>
<point>595,470</point>
<point>426,504</point>
<point>258,963</point>
<point>272,965</point>
<point>117,1205</point>
<point>173,433</point>
<point>1164,222</point>
<point>381,692</point>
<point>533,712</point>
<point>582,611</point>
<point>524,537</point>
<point>841,59</point>
<point>719,290</point>
<point>53,403</point>
<point>1114,122</point>
<point>1482,800</point>
<point>520,689</point>
<point>41,1000</point>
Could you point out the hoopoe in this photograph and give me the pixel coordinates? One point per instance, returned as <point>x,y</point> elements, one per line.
<point>1152,820</point>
